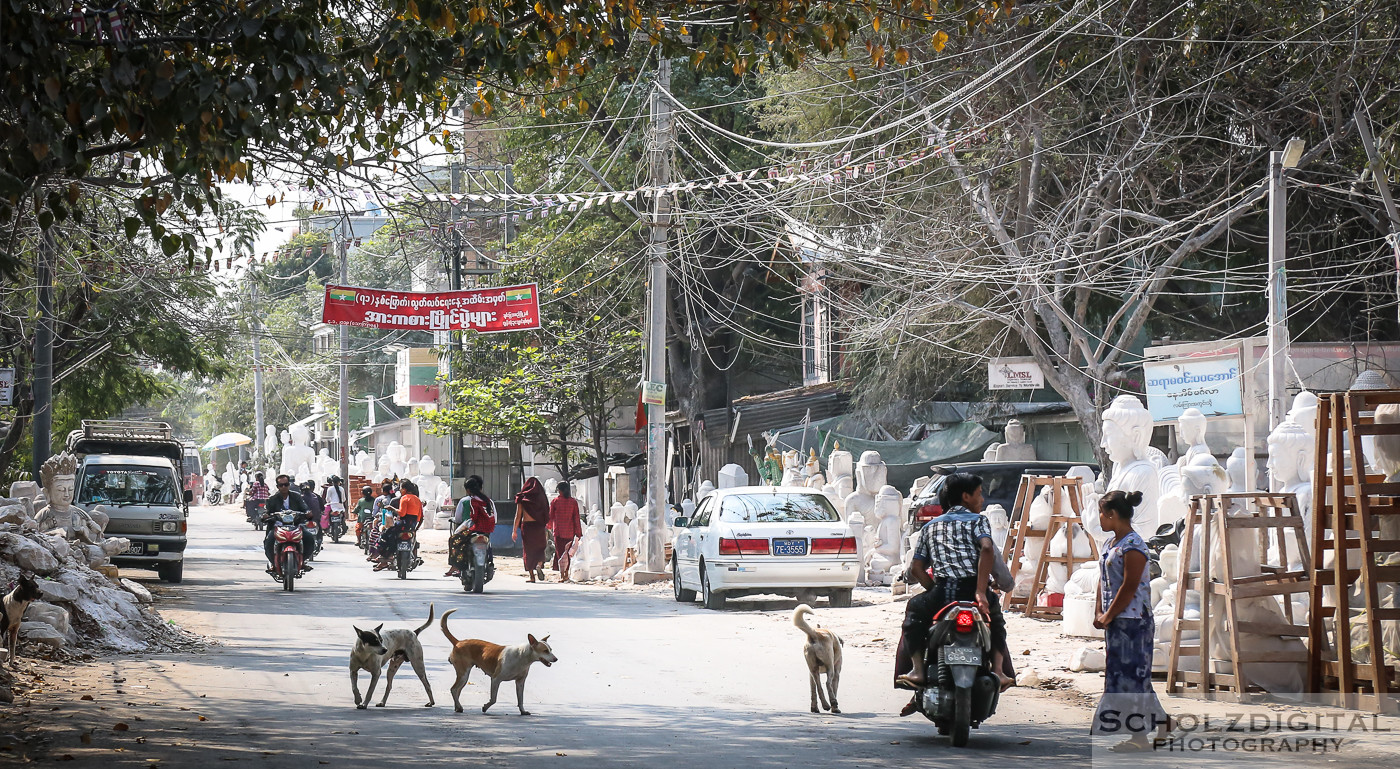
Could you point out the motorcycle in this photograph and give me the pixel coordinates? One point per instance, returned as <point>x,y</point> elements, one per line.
<point>480,566</point>
<point>312,531</point>
<point>287,563</point>
<point>962,691</point>
<point>406,554</point>
<point>338,527</point>
<point>214,493</point>
<point>362,535</point>
<point>255,509</point>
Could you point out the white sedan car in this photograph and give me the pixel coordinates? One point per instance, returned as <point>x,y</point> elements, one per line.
<point>764,539</point>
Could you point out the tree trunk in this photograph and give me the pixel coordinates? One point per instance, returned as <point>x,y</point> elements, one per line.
<point>24,409</point>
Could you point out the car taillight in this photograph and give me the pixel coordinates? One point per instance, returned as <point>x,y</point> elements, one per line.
<point>834,546</point>
<point>929,512</point>
<point>743,546</point>
<point>964,620</point>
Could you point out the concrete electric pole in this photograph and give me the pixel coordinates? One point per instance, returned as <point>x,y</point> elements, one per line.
<point>343,418</point>
<point>257,375</point>
<point>1279,164</point>
<point>660,161</point>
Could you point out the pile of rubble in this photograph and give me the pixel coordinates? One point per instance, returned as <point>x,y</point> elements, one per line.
<point>82,607</point>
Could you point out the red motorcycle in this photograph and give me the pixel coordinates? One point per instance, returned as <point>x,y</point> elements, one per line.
<point>287,563</point>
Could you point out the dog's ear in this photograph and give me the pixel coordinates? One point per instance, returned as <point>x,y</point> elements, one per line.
<point>357,630</point>
<point>531,636</point>
<point>544,640</point>
<point>378,628</point>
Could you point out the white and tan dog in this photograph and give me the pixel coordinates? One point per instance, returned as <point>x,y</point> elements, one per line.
<point>502,663</point>
<point>373,647</point>
<point>12,609</point>
<point>823,654</point>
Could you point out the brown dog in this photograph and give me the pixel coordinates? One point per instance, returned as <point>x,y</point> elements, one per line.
<point>502,663</point>
<point>12,611</point>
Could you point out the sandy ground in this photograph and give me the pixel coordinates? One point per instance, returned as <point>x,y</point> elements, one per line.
<point>642,681</point>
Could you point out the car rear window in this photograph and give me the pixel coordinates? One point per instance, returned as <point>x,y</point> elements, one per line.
<point>777,508</point>
<point>123,485</point>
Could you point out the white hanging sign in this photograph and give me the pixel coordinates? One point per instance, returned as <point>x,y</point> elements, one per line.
<point>1014,374</point>
<point>7,386</point>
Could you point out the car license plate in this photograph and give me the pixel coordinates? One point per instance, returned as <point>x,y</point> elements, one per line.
<point>405,545</point>
<point>789,547</point>
<point>135,548</point>
<point>962,655</point>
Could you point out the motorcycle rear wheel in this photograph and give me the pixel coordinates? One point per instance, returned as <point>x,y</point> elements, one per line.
<point>479,578</point>
<point>289,571</point>
<point>962,717</point>
<point>403,556</point>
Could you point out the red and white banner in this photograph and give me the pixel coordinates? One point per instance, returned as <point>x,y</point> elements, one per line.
<point>488,310</point>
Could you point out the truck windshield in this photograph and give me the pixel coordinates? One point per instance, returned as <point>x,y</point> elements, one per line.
<point>128,485</point>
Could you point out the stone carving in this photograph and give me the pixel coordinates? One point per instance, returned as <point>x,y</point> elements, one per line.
<point>812,473</point>
<point>1291,452</point>
<point>398,460</point>
<point>270,445</point>
<point>431,488</point>
<point>792,469</point>
<point>731,476</point>
<point>882,534</point>
<point>1127,431</point>
<point>298,453</point>
<point>58,475</point>
<point>1015,449</point>
<point>1191,430</point>
<point>859,507</point>
<point>841,467</point>
<point>990,455</point>
<point>706,489</point>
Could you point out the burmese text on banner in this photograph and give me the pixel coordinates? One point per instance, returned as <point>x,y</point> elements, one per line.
<point>488,310</point>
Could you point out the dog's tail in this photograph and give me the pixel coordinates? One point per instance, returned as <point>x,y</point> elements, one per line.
<point>427,622</point>
<point>450,638</point>
<point>799,618</point>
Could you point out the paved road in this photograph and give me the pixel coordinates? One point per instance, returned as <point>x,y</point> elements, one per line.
<point>641,682</point>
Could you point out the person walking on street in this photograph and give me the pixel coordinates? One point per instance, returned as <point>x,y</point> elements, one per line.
<point>1125,615</point>
<point>566,525</point>
<point>531,526</point>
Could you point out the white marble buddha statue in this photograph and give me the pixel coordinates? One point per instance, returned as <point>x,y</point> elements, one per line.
<point>1127,435</point>
<point>1015,449</point>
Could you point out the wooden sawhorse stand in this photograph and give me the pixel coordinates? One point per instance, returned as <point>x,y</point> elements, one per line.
<point>1062,489</point>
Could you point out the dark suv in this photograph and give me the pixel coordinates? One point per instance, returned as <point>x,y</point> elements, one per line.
<point>1000,480</point>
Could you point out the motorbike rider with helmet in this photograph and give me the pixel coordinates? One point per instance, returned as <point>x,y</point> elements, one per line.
<point>285,500</point>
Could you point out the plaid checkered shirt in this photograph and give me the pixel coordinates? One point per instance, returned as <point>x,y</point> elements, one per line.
<point>949,543</point>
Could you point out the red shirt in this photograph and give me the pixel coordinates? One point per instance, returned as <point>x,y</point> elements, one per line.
<point>563,518</point>
<point>483,516</point>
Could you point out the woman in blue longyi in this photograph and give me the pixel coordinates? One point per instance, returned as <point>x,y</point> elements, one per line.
<point>1129,705</point>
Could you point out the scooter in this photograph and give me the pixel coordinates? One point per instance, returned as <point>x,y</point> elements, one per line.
<point>480,566</point>
<point>255,509</point>
<point>287,563</point>
<point>214,493</point>
<point>406,554</point>
<point>962,691</point>
<point>338,528</point>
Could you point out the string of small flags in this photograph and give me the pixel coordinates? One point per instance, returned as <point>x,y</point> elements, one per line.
<point>93,20</point>
<point>531,206</point>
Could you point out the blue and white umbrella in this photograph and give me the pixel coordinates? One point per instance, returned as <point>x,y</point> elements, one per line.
<point>227,441</point>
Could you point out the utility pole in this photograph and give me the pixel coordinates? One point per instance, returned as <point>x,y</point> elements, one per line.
<point>43,353</point>
<point>257,375</point>
<point>660,162</point>
<point>343,420</point>
<point>1280,161</point>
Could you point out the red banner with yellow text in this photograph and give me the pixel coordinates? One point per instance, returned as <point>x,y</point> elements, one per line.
<point>487,310</point>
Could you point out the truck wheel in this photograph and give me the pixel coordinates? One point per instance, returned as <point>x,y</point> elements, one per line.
<point>171,572</point>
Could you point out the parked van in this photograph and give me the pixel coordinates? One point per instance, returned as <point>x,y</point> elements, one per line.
<point>133,469</point>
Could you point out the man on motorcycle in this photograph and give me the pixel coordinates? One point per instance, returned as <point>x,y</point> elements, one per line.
<point>953,562</point>
<point>285,499</point>
<point>477,509</point>
<point>410,512</point>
